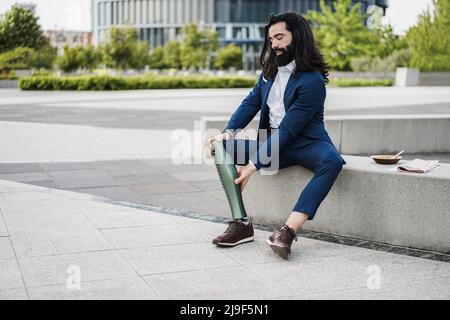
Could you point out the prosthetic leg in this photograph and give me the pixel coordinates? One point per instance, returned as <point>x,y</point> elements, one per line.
<point>227,173</point>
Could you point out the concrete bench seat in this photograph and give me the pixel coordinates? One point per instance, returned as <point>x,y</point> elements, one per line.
<point>373,134</point>
<point>368,201</point>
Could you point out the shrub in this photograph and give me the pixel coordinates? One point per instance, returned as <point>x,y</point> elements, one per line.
<point>398,58</point>
<point>345,82</point>
<point>132,83</point>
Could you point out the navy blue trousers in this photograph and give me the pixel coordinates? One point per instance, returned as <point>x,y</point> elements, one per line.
<point>318,156</point>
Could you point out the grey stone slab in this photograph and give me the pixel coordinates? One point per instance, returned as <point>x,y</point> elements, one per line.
<point>163,188</point>
<point>176,258</point>
<point>12,186</point>
<point>6,250</point>
<point>70,179</point>
<point>94,205</point>
<point>19,167</point>
<point>150,236</point>
<point>400,268</point>
<point>349,272</point>
<point>60,166</point>
<point>410,290</point>
<point>25,177</point>
<point>196,175</point>
<point>208,185</point>
<point>219,195</point>
<point>199,202</point>
<point>130,288</point>
<point>45,183</point>
<point>126,167</point>
<point>3,230</point>
<point>221,283</point>
<point>309,276</point>
<point>128,218</point>
<point>154,179</point>
<point>173,168</point>
<point>10,277</point>
<point>36,200</point>
<point>14,294</point>
<point>113,192</point>
<point>58,269</point>
<point>37,226</point>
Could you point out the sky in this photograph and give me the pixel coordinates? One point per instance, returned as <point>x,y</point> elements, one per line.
<point>75,14</point>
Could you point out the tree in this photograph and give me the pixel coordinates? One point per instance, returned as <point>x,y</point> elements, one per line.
<point>72,59</point>
<point>20,28</point>
<point>156,60</point>
<point>197,46</point>
<point>26,58</point>
<point>140,57</point>
<point>388,41</point>
<point>91,56</point>
<point>171,54</point>
<point>122,50</point>
<point>429,40</point>
<point>342,34</point>
<point>229,56</point>
<point>79,57</point>
<point>19,58</point>
<point>44,57</point>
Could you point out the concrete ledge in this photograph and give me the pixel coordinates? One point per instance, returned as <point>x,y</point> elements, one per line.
<point>9,84</point>
<point>372,134</point>
<point>368,201</point>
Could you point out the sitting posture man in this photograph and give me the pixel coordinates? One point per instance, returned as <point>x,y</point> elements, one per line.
<point>290,95</point>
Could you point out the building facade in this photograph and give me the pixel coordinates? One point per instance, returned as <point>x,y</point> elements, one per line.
<point>236,21</point>
<point>60,38</point>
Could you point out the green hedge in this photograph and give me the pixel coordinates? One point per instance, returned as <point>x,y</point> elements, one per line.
<point>344,82</point>
<point>132,83</point>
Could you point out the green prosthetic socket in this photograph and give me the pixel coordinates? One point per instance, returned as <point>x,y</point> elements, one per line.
<point>227,173</point>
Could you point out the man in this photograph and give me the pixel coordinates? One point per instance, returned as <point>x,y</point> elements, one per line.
<point>289,95</point>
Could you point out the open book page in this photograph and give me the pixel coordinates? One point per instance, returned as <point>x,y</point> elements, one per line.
<point>419,165</point>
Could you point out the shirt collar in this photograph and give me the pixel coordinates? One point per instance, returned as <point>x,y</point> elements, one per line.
<point>289,67</point>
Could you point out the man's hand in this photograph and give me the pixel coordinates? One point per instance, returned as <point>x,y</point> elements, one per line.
<point>219,137</point>
<point>244,173</point>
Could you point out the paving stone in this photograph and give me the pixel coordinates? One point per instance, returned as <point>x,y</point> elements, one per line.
<point>13,294</point>
<point>223,283</point>
<point>121,219</point>
<point>19,167</point>
<point>163,188</point>
<point>175,258</point>
<point>130,288</point>
<point>69,179</point>
<point>6,250</point>
<point>150,236</point>
<point>10,277</point>
<point>25,177</point>
<point>61,269</point>
<point>61,166</point>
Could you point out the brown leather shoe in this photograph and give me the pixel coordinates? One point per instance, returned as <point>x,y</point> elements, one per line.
<point>237,232</point>
<point>280,241</point>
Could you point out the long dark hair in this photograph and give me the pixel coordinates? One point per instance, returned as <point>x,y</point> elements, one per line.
<point>306,52</point>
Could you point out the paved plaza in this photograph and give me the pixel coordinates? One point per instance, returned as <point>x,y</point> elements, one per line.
<point>93,207</point>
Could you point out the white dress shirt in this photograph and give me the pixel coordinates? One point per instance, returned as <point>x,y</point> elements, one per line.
<point>276,94</point>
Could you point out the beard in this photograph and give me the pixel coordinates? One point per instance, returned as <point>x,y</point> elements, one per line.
<point>285,57</point>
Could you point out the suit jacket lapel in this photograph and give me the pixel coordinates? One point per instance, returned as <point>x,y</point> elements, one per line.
<point>268,85</point>
<point>289,83</point>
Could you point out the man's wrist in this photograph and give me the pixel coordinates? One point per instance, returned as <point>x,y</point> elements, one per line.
<point>229,131</point>
<point>253,165</point>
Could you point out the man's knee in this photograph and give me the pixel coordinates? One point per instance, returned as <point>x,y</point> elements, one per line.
<point>331,163</point>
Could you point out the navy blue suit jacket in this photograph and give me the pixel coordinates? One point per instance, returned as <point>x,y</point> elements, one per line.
<point>304,99</point>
